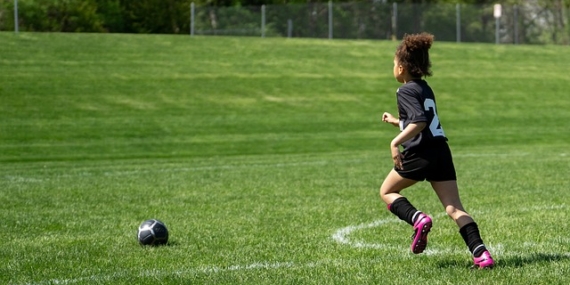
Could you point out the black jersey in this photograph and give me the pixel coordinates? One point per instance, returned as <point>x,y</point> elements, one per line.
<point>416,103</point>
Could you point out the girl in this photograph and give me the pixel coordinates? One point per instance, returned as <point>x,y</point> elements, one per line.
<point>426,154</point>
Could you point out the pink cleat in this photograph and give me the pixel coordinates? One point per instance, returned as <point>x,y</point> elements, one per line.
<point>484,261</point>
<point>422,227</point>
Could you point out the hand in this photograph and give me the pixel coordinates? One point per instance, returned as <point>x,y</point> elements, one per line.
<point>397,157</point>
<point>389,118</point>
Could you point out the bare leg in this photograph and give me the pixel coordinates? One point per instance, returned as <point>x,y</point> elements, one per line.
<point>403,209</point>
<point>392,185</point>
<point>448,194</point>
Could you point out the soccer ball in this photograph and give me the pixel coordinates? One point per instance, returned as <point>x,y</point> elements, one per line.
<point>152,232</point>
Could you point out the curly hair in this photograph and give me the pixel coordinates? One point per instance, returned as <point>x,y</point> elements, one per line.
<point>413,55</point>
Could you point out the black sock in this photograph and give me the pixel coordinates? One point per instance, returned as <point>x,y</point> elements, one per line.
<point>402,208</point>
<point>472,238</point>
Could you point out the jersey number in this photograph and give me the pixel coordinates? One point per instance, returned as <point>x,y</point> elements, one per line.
<point>434,126</point>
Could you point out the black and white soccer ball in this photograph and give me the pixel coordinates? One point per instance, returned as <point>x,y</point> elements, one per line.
<point>152,232</point>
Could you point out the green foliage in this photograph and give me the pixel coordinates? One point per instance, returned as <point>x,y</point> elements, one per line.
<point>59,16</point>
<point>156,16</point>
<point>362,20</point>
<point>264,158</point>
<point>111,15</point>
<point>230,20</point>
<point>538,22</point>
<point>479,24</point>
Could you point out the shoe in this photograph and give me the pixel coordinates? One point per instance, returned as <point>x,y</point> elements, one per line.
<point>484,261</point>
<point>422,227</point>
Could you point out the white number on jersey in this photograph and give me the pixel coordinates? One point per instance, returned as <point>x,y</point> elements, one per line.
<point>434,126</point>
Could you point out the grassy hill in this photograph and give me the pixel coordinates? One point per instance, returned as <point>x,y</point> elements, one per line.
<point>264,156</point>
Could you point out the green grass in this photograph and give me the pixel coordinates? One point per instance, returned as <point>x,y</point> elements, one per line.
<point>264,156</point>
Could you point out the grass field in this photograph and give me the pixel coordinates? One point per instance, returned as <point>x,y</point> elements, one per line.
<point>264,158</point>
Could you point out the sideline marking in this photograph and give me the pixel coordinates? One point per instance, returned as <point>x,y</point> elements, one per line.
<point>342,235</point>
<point>92,170</point>
<point>497,249</point>
<point>159,273</point>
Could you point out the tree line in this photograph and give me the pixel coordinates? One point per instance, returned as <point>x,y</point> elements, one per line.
<point>172,16</point>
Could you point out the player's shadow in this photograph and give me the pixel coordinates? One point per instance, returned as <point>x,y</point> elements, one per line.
<point>512,261</point>
<point>521,261</point>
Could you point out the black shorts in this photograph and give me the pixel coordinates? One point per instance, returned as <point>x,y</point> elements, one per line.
<point>433,163</point>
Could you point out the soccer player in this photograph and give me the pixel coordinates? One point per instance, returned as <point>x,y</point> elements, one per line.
<point>425,153</point>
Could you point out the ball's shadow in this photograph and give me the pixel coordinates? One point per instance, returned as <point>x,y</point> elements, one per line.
<point>171,243</point>
<point>167,244</point>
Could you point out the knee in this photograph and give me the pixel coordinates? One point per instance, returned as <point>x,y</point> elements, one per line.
<point>385,195</point>
<point>455,213</point>
<point>452,212</point>
<point>382,193</point>
<point>389,188</point>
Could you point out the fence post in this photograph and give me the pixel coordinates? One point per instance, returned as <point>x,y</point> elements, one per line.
<point>16,22</point>
<point>516,23</point>
<point>263,21</point>
<point>394,21</point>
<point>192,19</point>
<point>497,15</point>
<point>289,28</point>
<point>330,20</point>
<point>458,22</point>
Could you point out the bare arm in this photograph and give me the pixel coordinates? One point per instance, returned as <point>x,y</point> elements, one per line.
<point>409,132</point>
<point>390,119</point>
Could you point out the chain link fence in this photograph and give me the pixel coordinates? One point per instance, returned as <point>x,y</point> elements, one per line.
<point>529,23</point>
<point>518,24</point>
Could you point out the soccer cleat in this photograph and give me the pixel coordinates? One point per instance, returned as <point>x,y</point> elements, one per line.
<point>483,261</point>
<point>422,227</point>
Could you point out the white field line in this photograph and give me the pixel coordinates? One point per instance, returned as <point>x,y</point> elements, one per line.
<point>341,236</point>
<point>87,173</point>
<point>159,273</point>
<point>498,250</point>
<point>16,178</point>
<point>512,154</point>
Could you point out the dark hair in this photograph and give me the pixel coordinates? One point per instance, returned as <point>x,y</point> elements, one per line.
<point>413,55</point>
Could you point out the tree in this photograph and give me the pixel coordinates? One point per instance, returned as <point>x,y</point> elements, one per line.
<point>155,16</point>
<point>59,16</point>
